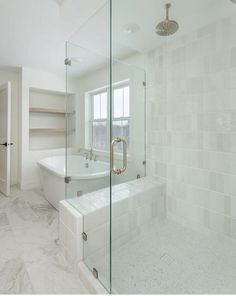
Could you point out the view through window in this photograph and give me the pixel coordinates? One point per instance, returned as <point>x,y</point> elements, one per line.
<point>120,117</point>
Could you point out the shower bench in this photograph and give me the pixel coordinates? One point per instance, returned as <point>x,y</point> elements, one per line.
<point>85,220</point>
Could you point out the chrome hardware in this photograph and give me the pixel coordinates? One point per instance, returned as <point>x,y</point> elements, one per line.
<point>67,62</point>
<point>84,236</point>
<point>79,193</point>
<point>144,83</point>
<point>144,162</point>
<point>89,154</point>
<point>115,170</point>
<point>6,144</point>
<point>138,176</point>
<point>95,273</point>
<point>67,180</point>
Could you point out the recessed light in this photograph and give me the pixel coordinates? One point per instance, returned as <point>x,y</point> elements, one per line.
<point>131,28</point>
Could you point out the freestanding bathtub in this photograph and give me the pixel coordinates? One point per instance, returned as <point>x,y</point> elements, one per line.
<point>86,176</point>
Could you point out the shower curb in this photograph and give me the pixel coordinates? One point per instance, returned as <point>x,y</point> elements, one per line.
<point>93,285</point>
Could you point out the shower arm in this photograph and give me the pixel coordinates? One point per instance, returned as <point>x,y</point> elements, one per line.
<point>168,5</point>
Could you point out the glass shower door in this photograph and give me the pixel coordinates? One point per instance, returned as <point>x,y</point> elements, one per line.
<point>87,156</point>
<point>128,168</point>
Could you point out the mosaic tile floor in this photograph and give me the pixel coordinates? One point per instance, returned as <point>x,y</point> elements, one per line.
<point>172,259</point>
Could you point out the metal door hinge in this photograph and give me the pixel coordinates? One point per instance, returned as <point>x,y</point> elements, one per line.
<point>95,273</point>
<point>84,236</point>
<point>67,62</point>
<point>144,83</point>
<point>67,180</point>
<point>79,193</point>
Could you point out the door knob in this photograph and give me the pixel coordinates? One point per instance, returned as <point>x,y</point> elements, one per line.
<point>6,144</point>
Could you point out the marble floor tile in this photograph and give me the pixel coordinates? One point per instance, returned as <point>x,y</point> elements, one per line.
<point>14,278</point>
<point>31,261</point>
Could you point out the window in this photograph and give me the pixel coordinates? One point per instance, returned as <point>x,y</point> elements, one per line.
<point>121,115</point>
<point>100,118</point>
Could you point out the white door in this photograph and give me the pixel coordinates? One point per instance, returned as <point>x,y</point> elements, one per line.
<point>5,137</point>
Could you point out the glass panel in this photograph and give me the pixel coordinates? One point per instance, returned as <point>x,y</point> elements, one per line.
<point>174,230</point>
<point>100,135</point>
<point>96,107</point>
<point>128,102</point>
<point>120,128</point>
<point>118,103</point>
<point>104,106</point>
<point>88,191</point>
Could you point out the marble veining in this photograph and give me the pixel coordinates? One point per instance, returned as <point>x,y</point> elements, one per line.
<point>31,261</point>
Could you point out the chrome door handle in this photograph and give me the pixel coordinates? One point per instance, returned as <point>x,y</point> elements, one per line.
<point>114,170</point>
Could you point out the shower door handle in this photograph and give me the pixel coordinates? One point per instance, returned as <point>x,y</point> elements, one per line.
<point>114,170</point>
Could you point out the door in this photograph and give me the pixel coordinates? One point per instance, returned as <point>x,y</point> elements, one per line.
<point>87,157</point>
<point>130,206</point>
<point>5,137</point>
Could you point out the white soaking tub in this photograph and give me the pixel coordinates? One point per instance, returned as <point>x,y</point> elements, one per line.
<point>86,176</point>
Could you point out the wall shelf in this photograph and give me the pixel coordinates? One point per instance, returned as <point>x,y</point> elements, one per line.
<point>47,110</point>
<point>47,119</point>
<point>47,130</point>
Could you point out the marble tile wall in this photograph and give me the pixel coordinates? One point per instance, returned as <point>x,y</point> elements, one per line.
<point>191,139</point>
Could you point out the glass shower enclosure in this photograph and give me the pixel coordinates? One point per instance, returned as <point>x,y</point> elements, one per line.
<point>108,139</point>
<point>154,138</point>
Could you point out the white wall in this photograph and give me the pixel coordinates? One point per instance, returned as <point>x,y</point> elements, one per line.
<point>12,75</point>
<point>30,78</point>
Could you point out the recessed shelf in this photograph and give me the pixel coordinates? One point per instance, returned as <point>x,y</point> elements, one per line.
<point>47,130</point>
<point>50,130</point>
<point>48,118</point>
<point>46,110</point>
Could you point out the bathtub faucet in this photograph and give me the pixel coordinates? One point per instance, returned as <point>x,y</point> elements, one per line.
<point>90,155</point>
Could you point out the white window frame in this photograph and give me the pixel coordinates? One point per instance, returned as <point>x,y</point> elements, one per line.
<point>89,129</point>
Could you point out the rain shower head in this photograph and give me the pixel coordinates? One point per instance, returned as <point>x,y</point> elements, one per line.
<point>167,27</point>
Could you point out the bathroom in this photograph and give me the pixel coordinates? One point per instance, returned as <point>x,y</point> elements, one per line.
<point>118,164</point>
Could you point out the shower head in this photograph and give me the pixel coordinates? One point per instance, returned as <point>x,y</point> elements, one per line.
<point>167,27</point>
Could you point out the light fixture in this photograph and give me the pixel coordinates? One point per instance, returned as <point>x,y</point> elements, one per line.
<point>131,28</point>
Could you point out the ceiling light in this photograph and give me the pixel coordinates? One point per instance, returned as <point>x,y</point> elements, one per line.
<point>131,28</point>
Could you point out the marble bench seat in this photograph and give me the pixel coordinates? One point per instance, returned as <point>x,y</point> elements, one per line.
<point>133,204</point>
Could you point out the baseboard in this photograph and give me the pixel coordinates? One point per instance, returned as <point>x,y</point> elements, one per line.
<point>30,186</point>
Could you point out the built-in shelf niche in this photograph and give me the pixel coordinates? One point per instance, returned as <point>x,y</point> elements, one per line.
<point>47,119</point>
<point>47,110</point>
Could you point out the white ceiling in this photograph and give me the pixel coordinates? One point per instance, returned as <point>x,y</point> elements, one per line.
<point>33,32</point>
